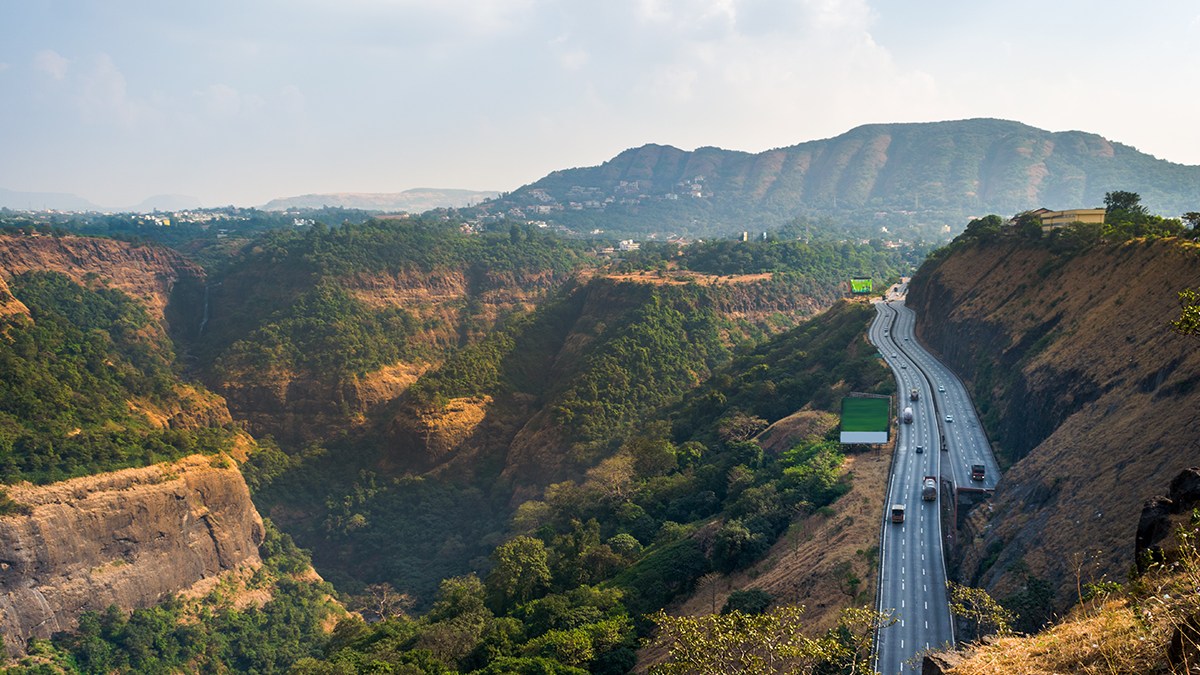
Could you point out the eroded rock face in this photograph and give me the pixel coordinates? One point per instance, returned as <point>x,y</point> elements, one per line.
<point>126,538</point>
<point>148,273</point>
<point>422,438</point>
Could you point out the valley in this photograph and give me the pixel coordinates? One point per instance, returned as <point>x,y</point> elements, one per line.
<point>517,449</point>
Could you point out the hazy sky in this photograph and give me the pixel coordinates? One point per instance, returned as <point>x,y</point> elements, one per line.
<point>242,101</point>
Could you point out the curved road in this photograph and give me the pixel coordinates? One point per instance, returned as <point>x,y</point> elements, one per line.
<point>912,567</point>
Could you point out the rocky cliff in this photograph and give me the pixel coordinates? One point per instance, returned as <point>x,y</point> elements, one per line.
<point>127,538</point>
<point>147,273</point>
<point>1090,401</point>
<point>454,308</point>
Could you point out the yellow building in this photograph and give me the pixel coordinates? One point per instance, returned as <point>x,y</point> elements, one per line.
<point>1052,219</point>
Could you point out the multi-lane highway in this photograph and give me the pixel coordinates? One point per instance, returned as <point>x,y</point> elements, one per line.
<point>912,568</point>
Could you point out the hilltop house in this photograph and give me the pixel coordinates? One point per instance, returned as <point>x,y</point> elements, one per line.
<point>1055,219</point>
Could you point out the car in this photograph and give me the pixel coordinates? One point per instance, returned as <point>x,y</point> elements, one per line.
<point>903,365</point>
<point>949,418</point>
<point>942,389</point>
<point>905,338</point>
<point>920,448</point>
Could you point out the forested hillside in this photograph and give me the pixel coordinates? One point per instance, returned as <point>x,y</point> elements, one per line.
<point>911,178</point>
<point>568,579</point>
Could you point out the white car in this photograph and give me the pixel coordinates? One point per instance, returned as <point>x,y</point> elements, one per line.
<point>949,418</point>
<point>942,389</point>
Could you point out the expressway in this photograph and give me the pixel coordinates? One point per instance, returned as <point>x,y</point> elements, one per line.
<point>912,569</point>
<point>965,441</point>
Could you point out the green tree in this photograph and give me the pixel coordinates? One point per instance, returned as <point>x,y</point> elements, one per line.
<point>984,229</point>
<point>1122,202</point>
<point>1029,226</point>
<point>763,644</point>
<point>520,571</point>
<point>1192,218</point>
<point>1188,322</point>
<point>980,613</point>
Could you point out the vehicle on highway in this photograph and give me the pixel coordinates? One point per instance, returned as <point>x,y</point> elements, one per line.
<point>949,418</point>
<point>905,338</point>
<point>929,488</point>
<point>908,415</point>
<point>904,365</point>
<point>913,394</point>
<point>977,471</point>
<point>942,389</point>
<point>897,513</point>
<point>920,448</point>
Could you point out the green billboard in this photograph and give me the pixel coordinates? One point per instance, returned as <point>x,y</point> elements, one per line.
<point>860,286</point>
<point>866,420</point>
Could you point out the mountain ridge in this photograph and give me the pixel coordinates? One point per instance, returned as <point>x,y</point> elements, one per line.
<point>896,175</point>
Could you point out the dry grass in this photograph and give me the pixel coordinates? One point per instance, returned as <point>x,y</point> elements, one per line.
<point>1128,632</point>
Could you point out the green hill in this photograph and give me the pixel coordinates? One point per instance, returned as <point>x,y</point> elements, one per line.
<point>920,176</point>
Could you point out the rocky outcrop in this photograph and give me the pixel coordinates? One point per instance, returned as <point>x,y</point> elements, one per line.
<point>9,305</point>
<point>126,538</point>
<point>147,273</point>
<point>1162,516</point>
<point>296,409</point>
<point>424,437</point>
<point>1090,401</point>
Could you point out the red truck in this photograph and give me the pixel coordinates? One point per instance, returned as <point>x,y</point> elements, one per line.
<point>977,471</point>
<point>929,491</point>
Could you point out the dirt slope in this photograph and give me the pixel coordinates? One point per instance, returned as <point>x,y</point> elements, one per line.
<point>1089,400</point>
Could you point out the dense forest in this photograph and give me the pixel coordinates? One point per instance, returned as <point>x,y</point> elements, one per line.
<point>67,372</point>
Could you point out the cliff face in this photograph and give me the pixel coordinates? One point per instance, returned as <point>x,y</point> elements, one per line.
<point>126,538</point>
<point>148,273</point>
<point>1089,400</point>
<point>454,307</point>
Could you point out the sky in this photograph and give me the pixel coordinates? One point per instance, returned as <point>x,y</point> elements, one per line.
<point>242,101</point>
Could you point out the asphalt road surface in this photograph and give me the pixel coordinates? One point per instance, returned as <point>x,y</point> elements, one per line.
<point>912,572</point>
<point>913,575</point>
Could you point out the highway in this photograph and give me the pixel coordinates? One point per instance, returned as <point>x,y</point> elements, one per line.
<point>912,567</point>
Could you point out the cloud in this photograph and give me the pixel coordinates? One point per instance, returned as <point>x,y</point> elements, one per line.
<point>220,101</point>
<point>3,66</point>
<point>101,94</point>
<point>50,61</point>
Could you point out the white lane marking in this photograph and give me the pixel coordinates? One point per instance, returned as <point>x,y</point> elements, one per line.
<point>926,607</point>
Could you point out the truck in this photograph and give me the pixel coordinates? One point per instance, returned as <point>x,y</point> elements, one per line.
<point>977,471</point>
<point>913,394</point>
<point>929,488</point>
<point>897,513</point>
<point>908,415</point>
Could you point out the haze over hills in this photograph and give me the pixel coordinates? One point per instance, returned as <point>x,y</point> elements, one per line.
<point>895,175</point>
<point>64,201</point>
<point>414,201</point>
